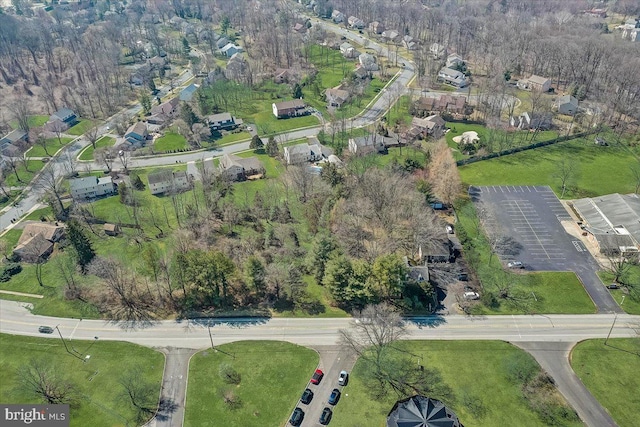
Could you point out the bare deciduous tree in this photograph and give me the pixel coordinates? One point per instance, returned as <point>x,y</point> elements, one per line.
<point>41,379</point>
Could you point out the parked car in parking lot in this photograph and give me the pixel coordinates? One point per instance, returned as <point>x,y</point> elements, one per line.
<point>343,379</point>
<point>326,416</point>
<point>334,397</point>
<point>307,395</point>
<point>45,329</point>
<point>515,264</point>
<point>317,377</point>
<point>296,417</point>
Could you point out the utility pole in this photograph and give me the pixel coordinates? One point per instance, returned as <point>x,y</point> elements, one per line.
<point>610,330</point>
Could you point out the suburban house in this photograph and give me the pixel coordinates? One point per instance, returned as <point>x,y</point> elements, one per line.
<point>230,49</point>
<point>347,50</point>
<point>160,114</point>
<point>368,62</point>
<point>630,29</point>
<point>391,35</point>
<point>437,50</point>
<point>567,104</point>
<point>409,42</point>
<point>376,27</point>
<point>187,93</point>
<point>166,181</point>
<point>612,221</point>
<point>432,126</point>
<point>425,106</point>
<point>336,97</point>
<point>293,108</point>
<point>9,143</point>
<point>62,119</point>
<point>453,77</point>
<point>541,84</point>
<point>157,62</point>
<point>302,153</point>
<point>36,241</point>
<point>238,168</point>
<point>362,146</point>
<point>361,73</point>
<point>337,16</point>
<point>91,186</point>
<point>454,60</point>
<point>355,22</point>
<point>111,229</point>
<point>223,121</point>
<point>237,68</point>
<point>137,134</point>
<point>536,121</point>
<point>282,75</point>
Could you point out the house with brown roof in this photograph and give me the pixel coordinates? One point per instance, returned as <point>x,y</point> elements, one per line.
<point>336,97</point>
<point>376,27</point>
<point>537,83</point>
<point>432,126</point>
<point>37,240</point>
<point>164,112</point>
<point>425,106</point>
<point>238,168</point>
<point>285,109</point>
<point>111,229</point>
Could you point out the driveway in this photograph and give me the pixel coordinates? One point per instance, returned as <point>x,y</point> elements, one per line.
<point>333,359</point>
<point>553,357</point>
<point>531,216</point>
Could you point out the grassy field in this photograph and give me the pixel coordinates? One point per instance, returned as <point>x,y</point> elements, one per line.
<point>273,375</point>
<point>610,372</point>
<point>546,292</point>
<point>24,173</point>
<point>170,141</point>
<point>538,167</point>
<point>230,138</point>
<point>105,141</point>
<point>482,396</point>
<point>53,145</point>
<point>34,121</point>
<point>80,128</point>
<point>100,396</point>
<point>630,303</point>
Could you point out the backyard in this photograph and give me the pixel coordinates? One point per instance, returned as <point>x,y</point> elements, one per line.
<point>101,398</point>
<point>471,369</point>
<point>216,397</point>
<point>610,372</point>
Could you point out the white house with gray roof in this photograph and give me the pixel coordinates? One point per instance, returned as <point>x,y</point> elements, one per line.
<point>90,187</point>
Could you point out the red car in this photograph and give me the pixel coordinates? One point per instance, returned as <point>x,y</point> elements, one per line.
<point>317,376</point>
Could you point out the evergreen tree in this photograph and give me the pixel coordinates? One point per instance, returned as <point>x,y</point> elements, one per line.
<point>81,244</point>
<point>256,143</point>
<point>145,101</point>
<point>272,147</point>
<point>255,274</point>
<point>137,183</point>
<point>297,91</point>
<point>187,114</point>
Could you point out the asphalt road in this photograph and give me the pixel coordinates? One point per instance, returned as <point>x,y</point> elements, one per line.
<point>553,357</point>
<point>532,216</point>
<point>17,320</point>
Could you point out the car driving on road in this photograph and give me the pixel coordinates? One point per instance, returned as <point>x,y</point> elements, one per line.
<point>45,329</point>
<point>317,377</point>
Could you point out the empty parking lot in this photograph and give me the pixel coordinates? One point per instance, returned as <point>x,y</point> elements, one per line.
<point>531,216</point>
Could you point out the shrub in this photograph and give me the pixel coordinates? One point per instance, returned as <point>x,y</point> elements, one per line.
<point>228,374</point>
<point>10,269</point>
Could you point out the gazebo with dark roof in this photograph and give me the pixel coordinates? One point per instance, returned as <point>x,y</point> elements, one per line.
<point>421,411</point>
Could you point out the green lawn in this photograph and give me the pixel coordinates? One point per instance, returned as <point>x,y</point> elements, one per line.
<point>53,145</point>
<point>273,375</point>
<point>230,138</point>
<point>80,128</point>
<point>594,166</point>
<point>100,396</point>
<point>25,175</point>
<point>630,303</point>
<point>34,121</point>
<point>610,372</point>
<point>482,396</point>
<point>542,292</point>
<point>105,141</point>
<point>169,142</point>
